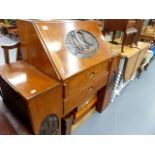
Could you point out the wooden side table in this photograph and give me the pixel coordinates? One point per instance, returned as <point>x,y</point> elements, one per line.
<point>129,64</point>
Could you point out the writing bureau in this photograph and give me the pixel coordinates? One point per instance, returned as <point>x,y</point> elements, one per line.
<point>64,62</point>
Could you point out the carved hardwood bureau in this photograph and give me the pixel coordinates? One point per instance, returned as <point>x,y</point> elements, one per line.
<point>63,64</point>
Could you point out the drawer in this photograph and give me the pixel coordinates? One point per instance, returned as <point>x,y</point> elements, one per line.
<point>84,93</point>
<point>73,84</point>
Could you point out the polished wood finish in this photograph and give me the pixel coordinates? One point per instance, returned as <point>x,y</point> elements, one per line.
<point>72,85</point>
<point>45,104</point>
<point>84,93</point>
<point>38,95</point>
<point>33,50</point>
<point>75,72</point>
<point>26,79</point>
<point>53,34</point>
<point>50,79</point>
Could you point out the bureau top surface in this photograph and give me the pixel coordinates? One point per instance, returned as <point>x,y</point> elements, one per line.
<point>73,46</point>
<point>26,79</point>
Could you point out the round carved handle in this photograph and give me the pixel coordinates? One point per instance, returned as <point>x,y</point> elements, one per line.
<point>91,75</point>
<point>91,89</point>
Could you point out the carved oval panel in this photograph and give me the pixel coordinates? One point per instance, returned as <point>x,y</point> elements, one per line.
<point>81,43</point>
<point>50,125</point>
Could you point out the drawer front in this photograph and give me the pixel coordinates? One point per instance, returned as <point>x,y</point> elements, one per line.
<point>84,93</point>
<point>73,84</point>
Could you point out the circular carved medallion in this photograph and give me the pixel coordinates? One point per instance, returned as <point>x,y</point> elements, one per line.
<point>81,43</point>
<point>50,125</point>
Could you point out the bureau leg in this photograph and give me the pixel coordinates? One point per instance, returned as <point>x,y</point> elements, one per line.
<point>66,124</point>
<point>104,96</point>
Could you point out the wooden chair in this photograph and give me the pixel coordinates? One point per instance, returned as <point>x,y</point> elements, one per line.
<point>130,29</point>
<point>13,33</point>
<point>10,124</point>
<point>7,48</point>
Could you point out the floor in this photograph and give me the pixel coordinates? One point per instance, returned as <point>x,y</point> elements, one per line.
<point>133,112</point>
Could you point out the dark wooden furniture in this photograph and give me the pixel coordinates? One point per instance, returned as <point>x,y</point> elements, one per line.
<point>63,64</point>
<point>7,27</point>
<point>13,33</point>
<point>33,86</point>
<point>131,29</point>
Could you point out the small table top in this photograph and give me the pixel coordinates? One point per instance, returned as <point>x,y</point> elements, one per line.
<point>26,79</point>
<point>134,56</point>
<point>128,51</point>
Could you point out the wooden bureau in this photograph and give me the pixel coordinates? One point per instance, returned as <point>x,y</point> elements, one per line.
<point>64,63</point>
<point>73,84</point>
<point>84,92</point>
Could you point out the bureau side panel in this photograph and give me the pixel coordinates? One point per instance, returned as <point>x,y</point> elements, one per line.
<point>32,48</point>
<point>48,103</point>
